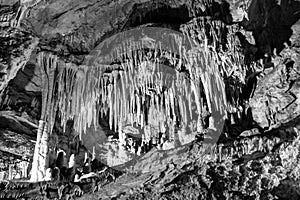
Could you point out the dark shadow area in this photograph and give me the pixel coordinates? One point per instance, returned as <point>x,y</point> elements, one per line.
<point>156,12</point>
<point>285,131</point>
<point>21,91</point>
<point>160,13</point>
<point>271,24</point>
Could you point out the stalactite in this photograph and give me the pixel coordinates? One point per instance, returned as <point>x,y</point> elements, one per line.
<point>52,107</point>
<point>172,98</point>
<point>114,101</point>
<point>213,85</point>
<point>83,89</point>
<point>110,100</point>
<point>180,106</point>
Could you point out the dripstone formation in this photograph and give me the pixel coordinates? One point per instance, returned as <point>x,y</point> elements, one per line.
<point>149,99</point>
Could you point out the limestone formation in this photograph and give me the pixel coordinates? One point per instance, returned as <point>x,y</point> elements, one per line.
<point>149,99</point>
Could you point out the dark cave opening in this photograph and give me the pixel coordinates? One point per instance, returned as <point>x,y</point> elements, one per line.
<point>151,12</point>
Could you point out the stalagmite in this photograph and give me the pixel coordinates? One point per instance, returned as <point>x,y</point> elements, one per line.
<point>260,144</point>
<point>43,154</point>
<point>226,153</point>
<point>35,166</point>
<point>48,175</point>
<point>220,149</point>
<point>231,151</point>
<point>215,152</point>
<point>10,172</point>
<point>139,151</point>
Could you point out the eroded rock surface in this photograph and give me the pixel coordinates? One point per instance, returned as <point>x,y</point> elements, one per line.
<point>276,99</point>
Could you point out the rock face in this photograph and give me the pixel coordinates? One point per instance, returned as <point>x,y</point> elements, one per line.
<point>59,61</point>
<point>276,99</point>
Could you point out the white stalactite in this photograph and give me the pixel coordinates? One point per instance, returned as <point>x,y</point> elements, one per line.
<point>84,92</point>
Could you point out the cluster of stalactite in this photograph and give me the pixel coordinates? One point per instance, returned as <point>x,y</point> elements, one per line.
<point>223,43</point>
<point>203,34</point>
<point>254,146</point>
<point>81,88</point>
<point>70,89</point>
<point>206,31</point>
<point>136,88</point>
<point>139,89</point>
<point>141,95</point>
<point>234,67</point>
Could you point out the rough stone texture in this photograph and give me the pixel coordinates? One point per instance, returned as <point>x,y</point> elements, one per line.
<point>257,157</point>
<point>17,144</point>
<point>57,190</point>
<point>295,37</point>
<point>8,2</point>
<point>76,27</point>
<point>195,176</point>
<point>189,173</point>
<point>276,99</point>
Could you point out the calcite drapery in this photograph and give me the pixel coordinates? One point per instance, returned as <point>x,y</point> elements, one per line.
<point>139,87</point>
<point>48,64</point>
